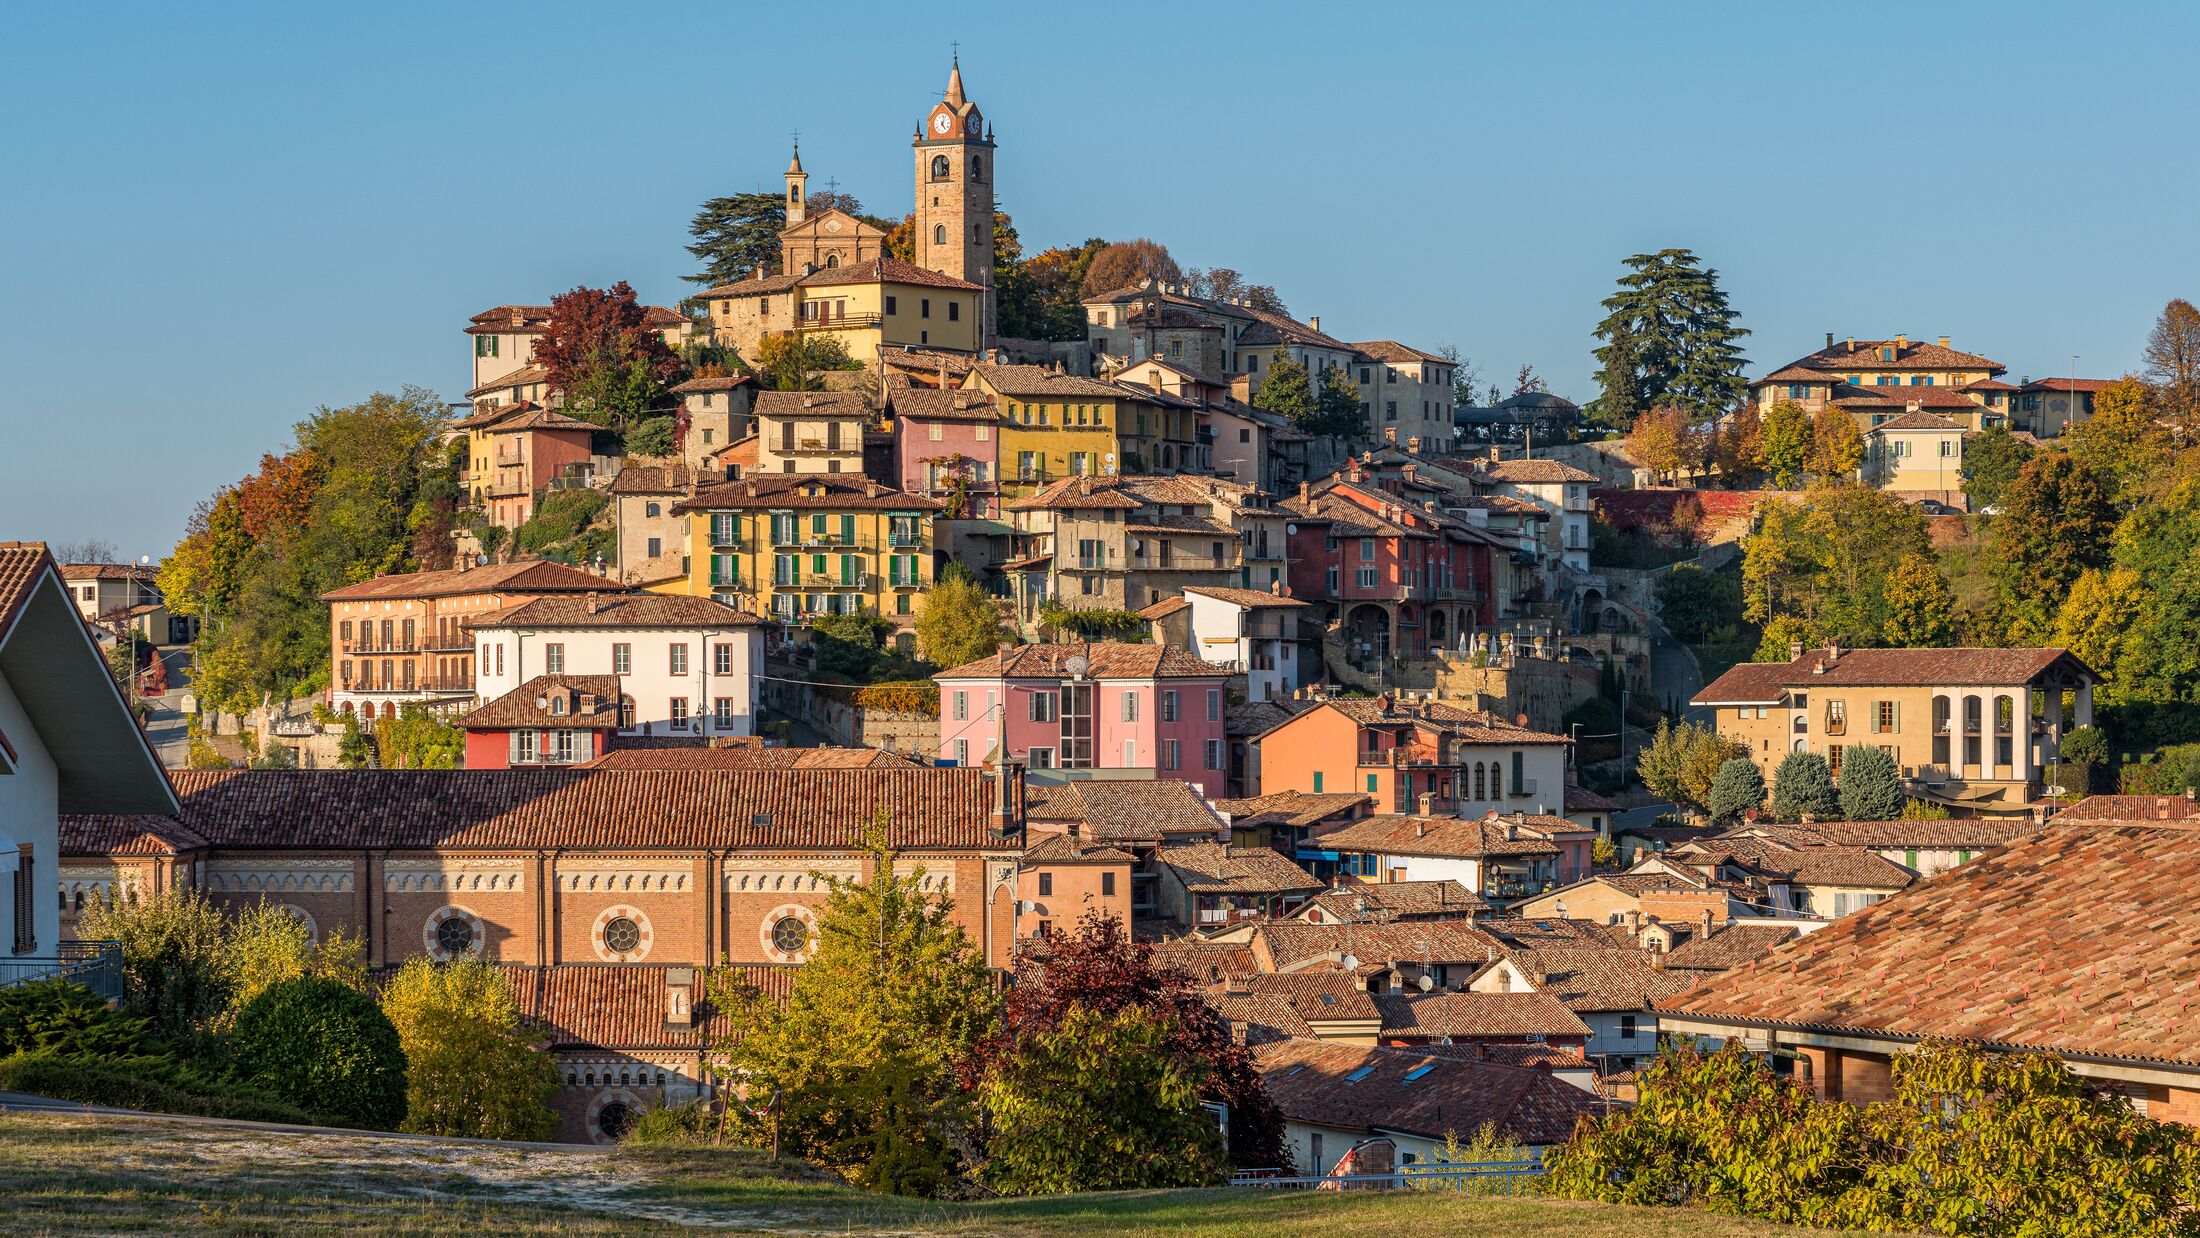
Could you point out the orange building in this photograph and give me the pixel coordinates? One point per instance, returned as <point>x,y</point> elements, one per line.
<point>1422,757</point>
<point>1062,879</point>
<point>403,638</point>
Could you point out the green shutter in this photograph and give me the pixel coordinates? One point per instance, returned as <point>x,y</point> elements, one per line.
<point>848,528</point>
<point>817,564</point>
<point>847,569</point>
<point>1317,782</point>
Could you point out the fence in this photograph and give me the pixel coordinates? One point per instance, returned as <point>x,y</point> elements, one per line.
<point>97,965</point>
<point>1490,1178</point>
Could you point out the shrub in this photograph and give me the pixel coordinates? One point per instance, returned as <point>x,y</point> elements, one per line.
<point>321,1044</point>
<point>172,969</point>
<point>153,1084</point>
<point>471,1066</point>
<point>687,1125</point>
<point>1738,788</point>
<point>920,696</point>
<point>652,436</point>
<point>56,1016</point>
<point>1802,783</point>
<point>1871,785</point>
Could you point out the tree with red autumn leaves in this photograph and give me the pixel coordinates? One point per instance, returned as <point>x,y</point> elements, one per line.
<point>1102,970</point>
<point>600,351</point>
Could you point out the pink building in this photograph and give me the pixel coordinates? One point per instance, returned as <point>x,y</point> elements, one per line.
<point>947,447</point>
<point>1090,706</point>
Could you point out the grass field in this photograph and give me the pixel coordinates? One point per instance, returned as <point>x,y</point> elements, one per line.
<point>137,1175</point>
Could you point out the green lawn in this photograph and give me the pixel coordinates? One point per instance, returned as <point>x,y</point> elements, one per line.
<point>131,1175</point>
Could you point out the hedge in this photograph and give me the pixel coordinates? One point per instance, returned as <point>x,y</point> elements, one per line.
<point>136,1083</point>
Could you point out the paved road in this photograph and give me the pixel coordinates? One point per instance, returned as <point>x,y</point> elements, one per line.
<point>165,727</point>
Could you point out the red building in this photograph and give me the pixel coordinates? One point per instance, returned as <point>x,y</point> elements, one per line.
<point>1404,578</point>
<point>549,720</point>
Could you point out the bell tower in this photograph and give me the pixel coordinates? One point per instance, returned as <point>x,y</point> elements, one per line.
<point>954,215</point>
<point>796,194</point>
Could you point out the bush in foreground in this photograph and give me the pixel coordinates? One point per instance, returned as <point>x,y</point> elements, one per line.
<point>156,1085</point>
<point>322,1045</point>
<point>471,1066</point>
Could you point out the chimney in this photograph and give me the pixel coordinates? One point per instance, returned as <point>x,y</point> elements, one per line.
<point>1306,492</point>
<point>1901,342</point>
<point>595,603</point>
<point>1495,453</point>
<point>1795,651</point>
<point>1420,828</point>
<point>1943,341</point>
<point>1707,922</point>
<point>1852,343</point>
<point>1833,653</point>
<point>1315,322</point>
<point>759,270</point>
<point>1426,803</point>
<point>1829,341</point>
<point>1413,446</point>
<point>1002,653</point>
<point>1634,924</point>
<point>588,704</point>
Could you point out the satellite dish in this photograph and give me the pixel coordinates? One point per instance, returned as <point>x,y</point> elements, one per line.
<point>1290,530</point>
<point>1425,984</point>
<point>1351,962</point>
<point>1077,665</point>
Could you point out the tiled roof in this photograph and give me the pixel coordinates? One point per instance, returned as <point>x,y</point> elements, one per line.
<point>1449,837</point>
<point>2131,808</point>
<point>715,382</point>
<point>525,376</point>
<point>1261,717</point>
<point>105,571</point>
<point>126,835</point>
<point>2068,941</point>
<point>1891,396</point>
<point>1915,355</point>
<point>1292,943</point>
<point>483,417</point>
<point>1103,660</point>
<point>750,757</point>
<point>1315,995</point>
<point>1754,682</point>
<point>1206,962</point>
<point>1177,524</point>
<point>1730,945</point>
<point>1534,472</point>
<point>1467,726</point>
<point>1916,421</point>
<point>1593,980</point>
<point>834,492</point>
<point>1582,799</point>
<point>1126,810</point>
<point>1478,1014</point>
<point>1039,382</point>
<point>1973,834</point>
<point>621,1006</point>
<point>1064,849</point>
<point>1353,1087</point>
<point>929,809</point>
<point>651,479</point>
<point>1078,494</point>
<point>2078,385</point>
<point>520,708</point>
<point>621,610</point>
<point>1990,384</point>
<point>1382,901</point>
<point>936,404</point>
<point>1212,868</point>
<point>1163,608</point>
<point>1289,807</point>
<point>527,577</point>
<point>753,286</point>
<point>1254,598</point>
<point>1797,374</point>
<point>540,419</point>
<point>885,270</point>
<point>812,404</point>
<point>1828,865</point>
<point>1395,352</point>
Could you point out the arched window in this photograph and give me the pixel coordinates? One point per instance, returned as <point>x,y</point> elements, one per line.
<point>1973,719</point>
<point>939,167</point>
<point>977,167</point>
<point>1497,781</point>
<point>939,234</point>
<point>1481,785</point>
<point>832,260</point>
<point>794,195</point>
<point>2005,730</point>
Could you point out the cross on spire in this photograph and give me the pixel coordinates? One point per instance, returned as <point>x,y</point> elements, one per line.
<point>955,52</point>
<point>832,185</point>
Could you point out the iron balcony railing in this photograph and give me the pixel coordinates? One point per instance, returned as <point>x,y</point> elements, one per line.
<point>97,965</point>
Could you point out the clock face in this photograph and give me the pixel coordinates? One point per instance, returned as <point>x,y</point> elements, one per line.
<point>971,126</point>
<point>942,122</point>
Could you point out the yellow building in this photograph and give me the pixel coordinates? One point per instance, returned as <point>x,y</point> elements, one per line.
<point>810,544</point>
<point>873,304</point>
<point>1056,425</point>
<point>811,431</point>
<point>1916,454</point>
<point>1877,381</point>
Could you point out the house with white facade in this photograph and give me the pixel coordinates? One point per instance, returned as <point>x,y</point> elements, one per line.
<point>1498,858</point>
<point>1558,489</point>
<point>1252,632</point>
<point>685,666</point>
<point>68,744</point>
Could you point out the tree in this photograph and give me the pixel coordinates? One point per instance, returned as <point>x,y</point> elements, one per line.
<point>1098,1102</point>
<point>1826,562</point>
<point>2122,442</point>
<point>2056,522</point>
<point>959,622</point>
<point>1694,603</point>
<point>1124,263</point>
<point>2173,362</point>
<point>651,437</point>
<point>2087,748</point>
<point>266,944</point>
<point>1619,380</point>
<point>863,1056</point>
<point>1836,445</point>
<point>598,348</point>
<point>1784,442</point>
<point>1991,459</point>
<point>2097,621</point>
<point>325,1047</point>
<point>86,550</point>
<point>793,362</point>
<point>1920,609</point>
<point>173,975</point>
<point>1737,790</point>
<point>419,739</point>
<point>1527,383</point>
<point>1802,784</point>
<point>1288,392</point>
<point>472,1068</point>
<point>1672,320</point>
<point>1666,443</point>
<point>735,236</point>
<point>1337,407</point>
<point>1871,785</point>
<point>1100,969</point>
<point>1465,376</point>
<point>1681,762</point>
<point>1054,279</point>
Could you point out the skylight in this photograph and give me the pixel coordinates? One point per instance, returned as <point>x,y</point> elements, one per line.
<point>1418,1071</point>
<point>1357,1075</point>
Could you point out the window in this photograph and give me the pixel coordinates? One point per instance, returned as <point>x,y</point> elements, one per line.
<point>1627,1027</point>
<point>939,168</point>
<point>1833,758</point>
<point>791,935</point>
<point>924,307</point>
<point>1214,707</point>
<point>622,659</point>
<point>954,311</point>
<point>962,752</point>
<point>455,935</point>
<point>1214,754</point>
<point>962,705</point>
<point>679,658</point>
<point>1367,550</point>
<point>26,902</point>
<point>1317,782</point>
<point>1837,717</point>
<point>1169,755</point>
<point>1042,758</point>
<point>722,713</point>
<point>621,935</point>
<point>485,346</point>
<point>656,547</point>
<point>1168,707</point>
<point>721,658</point>
<point>1107,884</point>
<point>1042,707</point>
<point>1130,707</point>
<point>1046,885</point>
<point>553,658</point>
<point>889,305</point>
<point>1364,578</point>
<point>679,713</point>
<point>1886,717</point>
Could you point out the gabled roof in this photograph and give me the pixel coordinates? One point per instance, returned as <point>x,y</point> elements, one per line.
<point>750,757</point>
<point>2131,808</point>
<point>805,491</point>
<point>532,576</point>
<point>581,702</point>
<point>812,404</point>
<point>1289,808</point>
<point>1293,944</point>
<point>1126,809</point>
<point>1971,834</point>
<point>2068,385</point>
<point>1764,682</point>
<point>1039,382</point>
<point>1534,472</point>
<point>880,270</point>
<point>1397,353</point>
<point>660,479</point>
<point>1066,849</point>
<point>1581,799</point>
<point>1919,420</point>
<point>1465,726</point>
<point>1842,357</point>
<point>943,404</point>
<point>1478,1014</point>
<point>1212,868</point>
<point>1103,660</point>
<point>106,571</point>
<point>2060,942</point>
<point>1254,599</point>
<point>525,376</point>
<point>1430,1094</point>
<point>1591,980</point>
<point>715,382</point>
<point>621,610</point>
<point>1444,837</point>
<point>1382,901</point>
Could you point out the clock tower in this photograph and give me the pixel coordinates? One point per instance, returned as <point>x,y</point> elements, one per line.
<point>954,215</point>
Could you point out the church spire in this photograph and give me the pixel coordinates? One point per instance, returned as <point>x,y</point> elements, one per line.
<point>795,164</point>
<point>955,83</point>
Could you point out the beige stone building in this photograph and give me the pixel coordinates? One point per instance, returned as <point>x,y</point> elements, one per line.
<point>1917,454</point>
<point>1877,381</point>
<point>1125,543</point>
<point>811,431</point>
<point>1975,729</point>
<point>653,547</point>
<point>1405,394</point>
<point>717,412</point>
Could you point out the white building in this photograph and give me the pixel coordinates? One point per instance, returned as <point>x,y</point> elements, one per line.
<point>1249,631</point>
<point>1559,489</point>
<point>68,744</point>
<point>686,665</point>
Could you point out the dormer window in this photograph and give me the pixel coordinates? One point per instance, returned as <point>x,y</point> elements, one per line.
<point>557,705</point>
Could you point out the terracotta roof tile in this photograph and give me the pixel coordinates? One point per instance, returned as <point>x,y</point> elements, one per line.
<point>1730,945</point>
<point>621,1006</point>
<point>1126,810</point>
<point>1293,943</point>
<point>1039,382</point>
<point>1598,980</point>
<point>2060,942</point>
<point>813,404</point>
<point>834,492</point>
<point>1338,1085</point>
<point>1163,608</point>
<point>1291,808</point>
<point>2131,808</point>
<point>1581,799</point>
<point>1534,472</point>
<point>1385,901</point>
<point>528,577</point>
<point>1254,598</point>
<point>1915,355</point>
<point>1516,1015</point>
<point>1448,837</point>
<point>126,835</point>
<point>620,610</point>
<point>1103,659</point>
<point>652,479</point>
<point>1974,834</point>
<point>20,566</point>
<point>1763,682</point>
<point>1212,868</point>
<point>106,571</point>
<point>1065,849</point>
<point>927,809</point>
<point>714,382</point>
<point>938,404</point>
<point>749,757</point>
<point>1316,995</point>
<point>1397,353</point>
<point>1916,421</point>
<point>581,702</point>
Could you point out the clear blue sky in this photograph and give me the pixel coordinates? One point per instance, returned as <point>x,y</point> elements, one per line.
<point>215,218</point>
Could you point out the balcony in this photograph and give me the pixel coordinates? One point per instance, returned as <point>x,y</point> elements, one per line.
<point>367,647</point>
<point>1470,595</point>
<point>1523,788</point>
<point>724,579</point>
<point>1271,629</point>
<point>818,447</point>
<point>97,965</point>
<point>846,322</point>
<point>454,642</point>
<point>419,687</point>
<point>908,540</point>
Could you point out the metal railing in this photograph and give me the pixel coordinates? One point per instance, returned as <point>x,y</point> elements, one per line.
<point>1486,1178</point>
<point>97,965</point>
